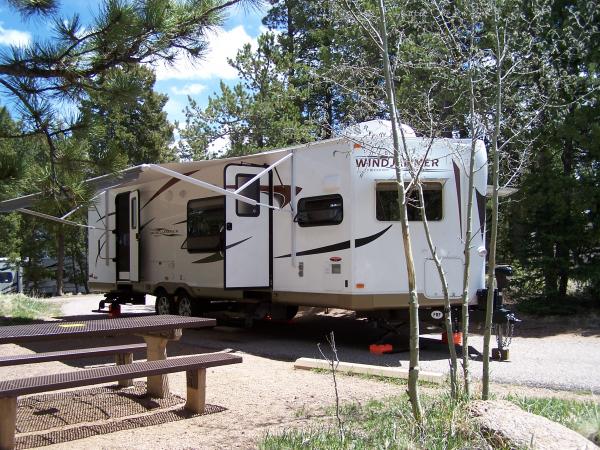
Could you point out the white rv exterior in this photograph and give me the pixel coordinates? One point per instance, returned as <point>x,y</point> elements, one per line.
<point>323,231</point>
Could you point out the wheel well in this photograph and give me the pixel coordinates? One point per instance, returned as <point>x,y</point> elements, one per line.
<point>160,291</point>
<point>181,292</point>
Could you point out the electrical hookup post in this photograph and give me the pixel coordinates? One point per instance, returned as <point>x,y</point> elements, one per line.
<point>503,319</point>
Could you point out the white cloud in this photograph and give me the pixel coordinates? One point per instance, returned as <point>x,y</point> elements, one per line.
<point>223,44</point>
<point>219,146</point>
<point>174,110</point>
<point>188,89</point>
<point>14,37</point>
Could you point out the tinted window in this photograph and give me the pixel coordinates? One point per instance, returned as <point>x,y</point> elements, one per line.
<point>387,202</point>
<point>253,191</point>
<point>205,223</point>
<point>6,277</point>
<point>321,210</point>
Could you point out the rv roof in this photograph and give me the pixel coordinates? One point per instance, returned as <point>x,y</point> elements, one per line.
<point>139,174</point>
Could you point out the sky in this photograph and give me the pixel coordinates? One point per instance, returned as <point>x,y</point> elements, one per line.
<point>198,79</point>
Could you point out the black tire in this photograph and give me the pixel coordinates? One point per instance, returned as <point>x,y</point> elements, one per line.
<point>185,305</point>
<point>164,303</point>
<point>290,312</point>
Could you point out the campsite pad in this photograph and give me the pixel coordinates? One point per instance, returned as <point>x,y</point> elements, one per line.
<point>67,416</point>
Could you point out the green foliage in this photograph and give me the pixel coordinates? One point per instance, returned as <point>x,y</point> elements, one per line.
<point>580,416</point>
<point>569,305</point>
<point>258,114</point>
<point>389,424</point>
<point>18,307</point>
<point>554,230</point>
<point>124,123</point>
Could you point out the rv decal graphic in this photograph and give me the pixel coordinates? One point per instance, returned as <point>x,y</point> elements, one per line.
<point>339,246</point>
<point>164,232</point>
<point>237,243</point>
<point>166,186</point>
<point>100,247</point>
<point>109,214</point>
<point>376,162</point>
<point>146,224</point>
<point>284,192</point>
<point>367,240</point>
<point>215,257</point>
<point>481,200</point>
<point>218,256</point>
<point>458,196</point>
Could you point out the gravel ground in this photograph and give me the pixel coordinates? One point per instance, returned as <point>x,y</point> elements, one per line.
<point>265,394</point>
<point>556,354</point>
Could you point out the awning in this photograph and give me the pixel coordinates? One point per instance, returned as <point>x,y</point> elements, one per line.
<point>98,184</point>
<point>150,172</point>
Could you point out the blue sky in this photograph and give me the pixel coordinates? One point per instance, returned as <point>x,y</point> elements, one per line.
<point>198,79</point>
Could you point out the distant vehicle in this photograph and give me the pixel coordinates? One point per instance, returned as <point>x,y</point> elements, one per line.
<point>11,277</point>
<point>13,280</point>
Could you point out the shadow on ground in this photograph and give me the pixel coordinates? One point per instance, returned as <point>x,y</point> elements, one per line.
<point>69,416</point>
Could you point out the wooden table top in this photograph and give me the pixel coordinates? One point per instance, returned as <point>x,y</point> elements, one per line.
<point>100,327</point>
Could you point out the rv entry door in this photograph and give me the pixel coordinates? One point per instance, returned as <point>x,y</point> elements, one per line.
<point>127,207</point>
<point>247,229</point>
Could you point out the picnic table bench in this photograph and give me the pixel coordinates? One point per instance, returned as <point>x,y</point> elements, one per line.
<point>195,367</point>
<point>157,331</point>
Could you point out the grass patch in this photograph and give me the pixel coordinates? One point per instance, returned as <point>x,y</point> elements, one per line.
<point>580,416</point>
<point>389,424</point>
<point>21,308</point>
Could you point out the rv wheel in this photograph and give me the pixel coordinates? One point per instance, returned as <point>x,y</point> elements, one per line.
<point>184,306</point>
<point>163,303</point>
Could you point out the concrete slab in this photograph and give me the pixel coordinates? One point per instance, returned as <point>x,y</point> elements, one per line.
<point>368,369</point>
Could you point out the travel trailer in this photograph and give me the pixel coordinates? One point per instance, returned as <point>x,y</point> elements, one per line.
<point>310,225</point>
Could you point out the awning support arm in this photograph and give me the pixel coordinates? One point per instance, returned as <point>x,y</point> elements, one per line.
<point>82,205</point>
<point>55,219</point>
<point>293,210</point>
<point>260,174</point>
<point>204,184</point>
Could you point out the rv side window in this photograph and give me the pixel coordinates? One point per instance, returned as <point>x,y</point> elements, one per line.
<point>244,209</point>
<point>6,277</point>
<point>320,210</point>
<point>205,224</point>
<point>387,202</point>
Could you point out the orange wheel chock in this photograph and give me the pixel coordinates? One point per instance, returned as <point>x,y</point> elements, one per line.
<point>456,338</point>
<point>380,349</point>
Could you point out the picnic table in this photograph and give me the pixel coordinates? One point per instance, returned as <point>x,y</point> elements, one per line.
<point>156,330</point>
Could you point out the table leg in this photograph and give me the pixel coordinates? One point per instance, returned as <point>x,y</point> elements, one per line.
<point>196,390</point>
<point>158,385</point>
<point>8,422</point>
<point>124,358</point>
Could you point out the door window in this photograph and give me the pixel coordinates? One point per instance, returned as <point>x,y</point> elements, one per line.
<point>243,209</point>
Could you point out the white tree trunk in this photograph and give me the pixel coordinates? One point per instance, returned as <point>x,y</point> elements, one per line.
<point>413,371</point>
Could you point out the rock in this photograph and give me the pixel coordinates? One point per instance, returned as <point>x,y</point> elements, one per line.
<point>507,424</point>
